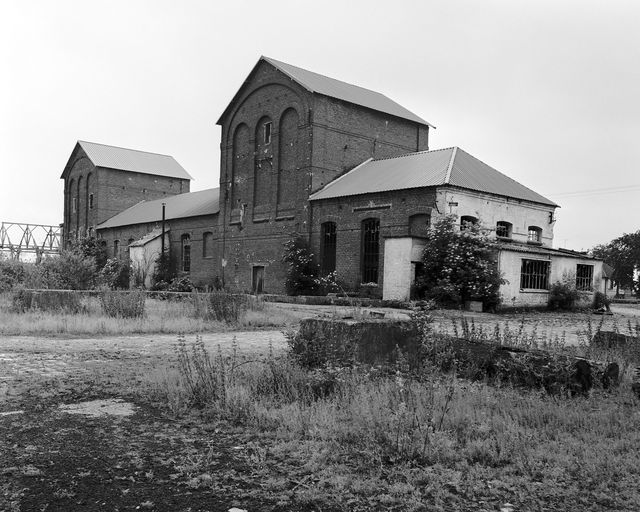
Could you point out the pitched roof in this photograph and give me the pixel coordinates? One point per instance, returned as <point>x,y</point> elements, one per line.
<point>543,250</point>
<point>451,166</point>
<point>191,204</point>
<point>133,160</point>
<point>152,235</point>
<point>320,84</point>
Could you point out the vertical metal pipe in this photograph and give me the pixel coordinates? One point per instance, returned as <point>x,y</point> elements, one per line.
<point>164,205</point>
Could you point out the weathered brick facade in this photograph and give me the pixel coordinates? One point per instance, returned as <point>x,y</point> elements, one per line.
<point>93,194</point>
<point>268,173</point>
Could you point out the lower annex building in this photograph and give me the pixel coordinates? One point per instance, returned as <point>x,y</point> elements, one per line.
<point>346,168</point>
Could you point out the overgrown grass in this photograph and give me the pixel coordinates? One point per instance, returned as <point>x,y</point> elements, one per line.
<point>162,316</point>
<point>364,435</point>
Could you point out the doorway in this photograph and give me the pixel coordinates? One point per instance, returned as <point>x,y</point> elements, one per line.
<point>257,280</point>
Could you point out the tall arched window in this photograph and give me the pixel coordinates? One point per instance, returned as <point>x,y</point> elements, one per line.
<point>240,166</point>
<point>186,253</point>
<point>328,248</point>
<point>88,200</point>
<point>79,226</point>
<point>370,250</point>
<point>263,168</point>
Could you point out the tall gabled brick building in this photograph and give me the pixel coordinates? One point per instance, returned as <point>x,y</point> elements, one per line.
<point>287,133</point>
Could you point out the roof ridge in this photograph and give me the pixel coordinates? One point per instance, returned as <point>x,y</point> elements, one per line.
<point>126,149</point>
<point>413,153</point>
<point>447,176</point>
<point>272,60</point>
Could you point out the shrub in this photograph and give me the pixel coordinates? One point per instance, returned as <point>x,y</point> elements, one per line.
<point>220,306</point>
<point>46,300</point>
<point>120,304</point>
<point>302,270</point>
<point>562,296</point>
<point>12,274</point>
<point>115,274</point>
<point>459,266</point>
<point>600,301</point>
<point>163,273</point>
<point>72,270</point>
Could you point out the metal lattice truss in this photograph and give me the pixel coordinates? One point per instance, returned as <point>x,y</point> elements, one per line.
<point>17,238</point>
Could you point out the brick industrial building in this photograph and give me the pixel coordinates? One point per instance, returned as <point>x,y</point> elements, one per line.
<point>346,168</point>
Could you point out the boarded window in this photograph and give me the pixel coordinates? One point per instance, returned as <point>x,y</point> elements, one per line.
<point>328,248</point>
<point>370,250</point>
<point>584,277</point>
<point>186,253</point>
<point>207,245</point>
<point>534,275</point>
<point>419,224</point>
<point>503,229</point>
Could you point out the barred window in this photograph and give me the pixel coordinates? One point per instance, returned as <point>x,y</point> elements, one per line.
<point>534,274</point>
<point>535,234</point>
<point>584,277</point>
<point>186,253</point>
<point>370,250</point>
<point>503,229</point>
<point>328,248</point>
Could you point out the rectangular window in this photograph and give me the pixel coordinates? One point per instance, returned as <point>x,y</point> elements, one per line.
<point>267,132</point>
<point>74,205</point>
<point>328,248</point>
<point>90,201</point>
<point>584,277</point>
<point>186,253</point>
<point>116,248</point>
<point>534,275</point>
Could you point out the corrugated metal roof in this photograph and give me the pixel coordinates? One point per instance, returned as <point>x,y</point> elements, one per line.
<point>133,160</point>
<point>450,166</point>
<point>320,84</point>
<point>191,204</point>
<point>547,251</point>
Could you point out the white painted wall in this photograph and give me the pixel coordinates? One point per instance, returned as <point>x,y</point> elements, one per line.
<point>143,259</point>
<point>400,256</point>
<point>510,264</point>
<point>490,209</point>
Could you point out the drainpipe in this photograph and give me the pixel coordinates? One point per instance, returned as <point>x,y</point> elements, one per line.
<point>164,205</point>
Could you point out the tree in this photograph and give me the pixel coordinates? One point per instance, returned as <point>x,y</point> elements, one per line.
<point>459,265</point>
<point>302,270</point>
<point>623,255</point>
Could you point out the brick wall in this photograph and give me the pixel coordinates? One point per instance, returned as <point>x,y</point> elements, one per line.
<point>394,210</point>
<point>203,270</point>
<point>113,191</point>
<point>265,185</point>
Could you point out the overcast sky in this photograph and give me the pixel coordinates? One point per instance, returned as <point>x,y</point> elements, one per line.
<point>546,92</point>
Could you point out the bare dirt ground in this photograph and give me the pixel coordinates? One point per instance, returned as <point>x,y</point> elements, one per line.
<point>128,454</point>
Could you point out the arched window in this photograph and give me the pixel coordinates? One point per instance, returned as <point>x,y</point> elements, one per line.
<point>207,244</point>
<point>241,165</point>
<point>467,220</point>
<point>503,229</point>
<point>88,200</point>
<point>186,253</point>
<point>328,244</point>
<point>534,234</point>
<point>263,169</point>
<point>116,248</point>
<point>370,250</point>
<point>79,227</point>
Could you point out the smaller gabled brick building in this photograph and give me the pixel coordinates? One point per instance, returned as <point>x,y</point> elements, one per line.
<point>101,181</point>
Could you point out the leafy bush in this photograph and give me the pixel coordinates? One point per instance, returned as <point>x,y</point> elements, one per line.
<point>46,300</point>
<point>563,296</point>
<point>163,273</point>
<point>72,270</point>
<point>120,304</point>
<point>12,274</point>
<point>115,274</point>
<point>600,301</point>
<point>459,266</point>
<point>302,270</point>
